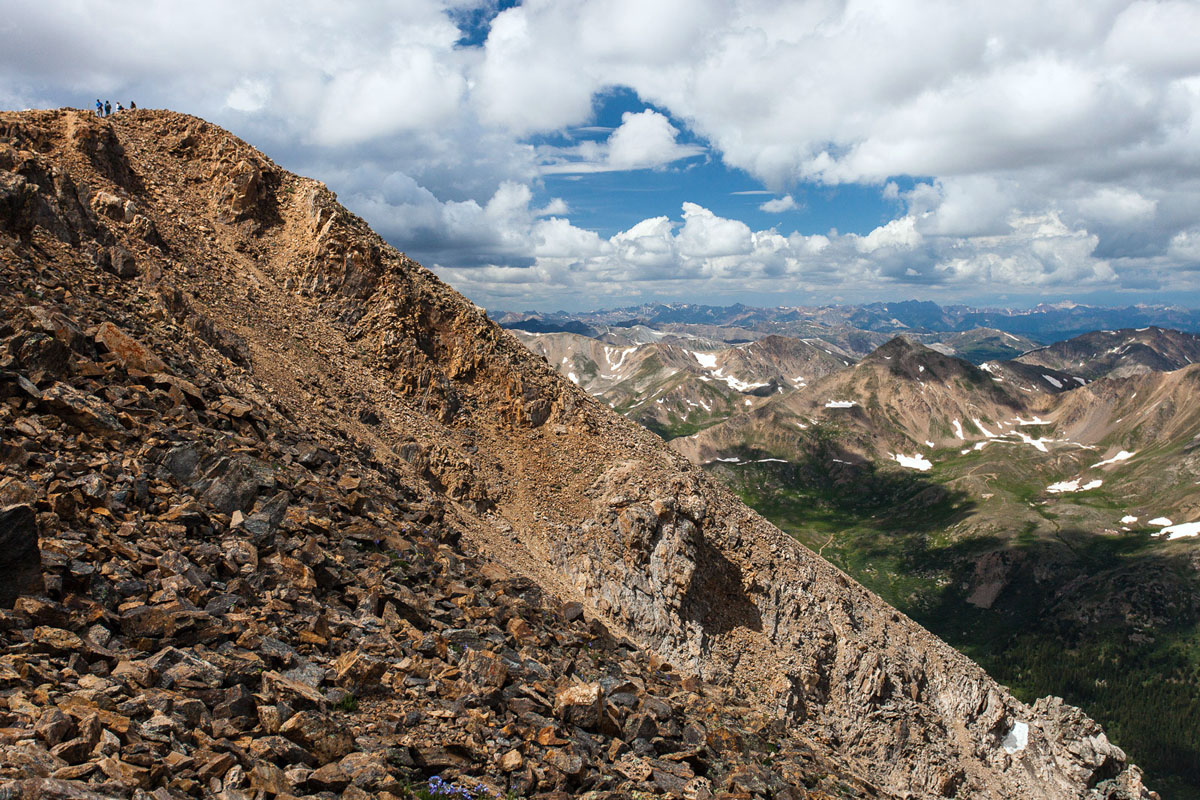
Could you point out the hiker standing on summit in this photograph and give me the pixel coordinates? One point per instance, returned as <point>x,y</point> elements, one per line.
<point>107,108</point>
<point>99,108</point>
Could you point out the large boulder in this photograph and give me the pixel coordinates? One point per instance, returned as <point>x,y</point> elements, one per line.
<point>20,559</point>
<point>129,351</point>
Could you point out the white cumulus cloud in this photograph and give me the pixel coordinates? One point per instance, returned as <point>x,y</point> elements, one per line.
<point>1046,146</point>
<point>778,205</point>
<point>644,140</point>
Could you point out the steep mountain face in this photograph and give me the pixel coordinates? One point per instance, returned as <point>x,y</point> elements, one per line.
<point>782,360</point>
<point>230,407</point>
<point>1016,508</point>
<point>1119,353</point>
<point>1033,378</point>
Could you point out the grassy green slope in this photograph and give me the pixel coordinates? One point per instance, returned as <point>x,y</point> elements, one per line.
<point>1104,618</point>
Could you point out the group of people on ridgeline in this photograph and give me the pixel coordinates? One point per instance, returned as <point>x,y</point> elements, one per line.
<point>105,109</point>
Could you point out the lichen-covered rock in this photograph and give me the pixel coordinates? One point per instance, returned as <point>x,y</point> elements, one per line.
<point>128,350</point>
<point>579,704</point>
<point>319,734</point>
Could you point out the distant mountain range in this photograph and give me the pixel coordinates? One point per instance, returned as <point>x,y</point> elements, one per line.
<point>850,325</point>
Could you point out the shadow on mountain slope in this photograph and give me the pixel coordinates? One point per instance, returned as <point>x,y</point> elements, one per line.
<point>716,597</point>
<point>1109,623</point>
<point>832,485</point>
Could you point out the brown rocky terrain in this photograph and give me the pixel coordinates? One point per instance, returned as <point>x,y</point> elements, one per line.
<point>903,397</point>
<point>675,385</point>
<point>284,515</point>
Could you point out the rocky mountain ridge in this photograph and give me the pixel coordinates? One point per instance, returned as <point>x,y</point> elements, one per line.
<point>274,467</point>
<point>901,398</point>
<point>676,384</point>
<point>1119,353</point>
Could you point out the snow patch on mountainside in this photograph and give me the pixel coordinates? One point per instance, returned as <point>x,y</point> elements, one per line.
<point>1121,456</point>
<point>917,461</point>
<point>1181,530</point>
<point>982,429</point>
<point>1017,737</point>
<point>1073,486</point>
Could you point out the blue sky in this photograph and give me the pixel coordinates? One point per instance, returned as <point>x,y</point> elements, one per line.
<point>573,155</point>
<point>609,202</point>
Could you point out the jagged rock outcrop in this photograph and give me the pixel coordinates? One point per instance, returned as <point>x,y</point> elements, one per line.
<point>279,470</point>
